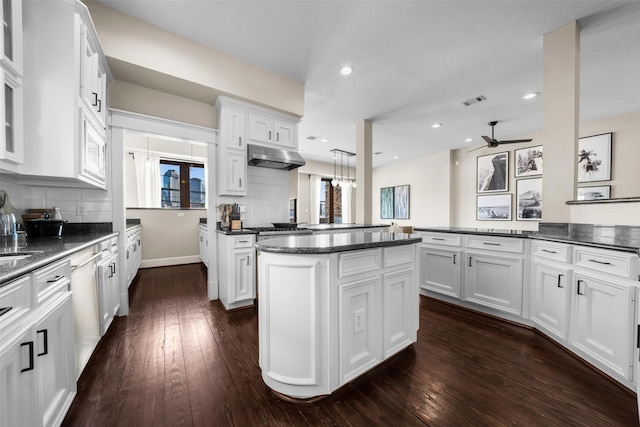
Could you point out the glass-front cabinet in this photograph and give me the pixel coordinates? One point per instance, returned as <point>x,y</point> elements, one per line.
<point>11,148</point>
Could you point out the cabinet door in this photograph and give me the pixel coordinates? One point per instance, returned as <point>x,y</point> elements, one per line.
<point>11,139</point>
<point>261,127</point>
<point>359,325</point>
<point>114,286</point>
<point>56,367</point>
<point>399,304</point>
<point>244,271</point>
<point>18,397</point>
<point>494,281</point>
<point>11,37</point>
<point>104,295</point>
<point>602,321</point>
<point>93,166</point>
<point>440,270</point>
<point>550,300</point>
<point>235,168</point>
<point>285,133</point>
<point>235,127</point>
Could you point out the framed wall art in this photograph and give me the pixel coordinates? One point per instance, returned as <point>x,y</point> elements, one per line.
<point>529,199</point>
<point>401,202</point>
<point>386,203</point>
<point>528,161</point>
<point>492,172</point>
<point>495,207</point>
<point>600,192</point>
<point>594,158</point>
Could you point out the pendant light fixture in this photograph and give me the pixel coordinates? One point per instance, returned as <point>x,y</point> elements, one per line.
<point>334,181</point>
<point>341,181</point>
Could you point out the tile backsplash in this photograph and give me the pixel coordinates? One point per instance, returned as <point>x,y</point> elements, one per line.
<point>98,204</point>
<point>267,197</point>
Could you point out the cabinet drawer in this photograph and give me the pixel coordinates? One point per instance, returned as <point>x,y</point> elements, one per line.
<point>555,251</point>
<point>503,244</point>
<point>245,241</point>
<point>358,262</point>
<point>621,264</point>
<point>398,255</point>
<point>15,301</point>
<point>446,239</point>
<point>52,279</point>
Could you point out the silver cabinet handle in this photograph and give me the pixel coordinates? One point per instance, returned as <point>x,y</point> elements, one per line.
<point>600,262</point>
<point>548,251</point>
<point>269,134</point>
<point>239,140</point>
<point>277,136</point>
<point>73,267</point>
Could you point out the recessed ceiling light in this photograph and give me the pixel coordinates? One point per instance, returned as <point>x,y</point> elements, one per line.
<point>396,157</point>
<point>324,140</point>
<point>468,140</point>
<point>436,125</point>
<point>346,70</point>
<point>531,95</point>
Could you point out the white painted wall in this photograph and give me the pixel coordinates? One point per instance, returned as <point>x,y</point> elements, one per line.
<point>429,192</point>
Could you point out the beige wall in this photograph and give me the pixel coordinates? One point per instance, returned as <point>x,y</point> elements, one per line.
<point>154,58</point>
<point>169,236</point>
<point>138,99</point>
<point>625,182</point>
<point>429,193</point>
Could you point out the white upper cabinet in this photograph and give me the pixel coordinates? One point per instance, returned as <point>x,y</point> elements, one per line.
<point>11,36</point>
<point>269,128</point>
<point>11,95</point>
<point>64,96</point>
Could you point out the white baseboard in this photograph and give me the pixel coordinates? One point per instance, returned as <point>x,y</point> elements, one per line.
<point>164,262</point>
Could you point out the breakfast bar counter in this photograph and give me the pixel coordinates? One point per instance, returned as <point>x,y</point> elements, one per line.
<point>332,307</point>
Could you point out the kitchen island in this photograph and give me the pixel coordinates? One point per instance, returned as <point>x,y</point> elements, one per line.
<point>333,306</point>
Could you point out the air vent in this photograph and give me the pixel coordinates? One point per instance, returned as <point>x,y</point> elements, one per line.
<point>312,138</point>
<point>474,100</point>
<point>377,153</point>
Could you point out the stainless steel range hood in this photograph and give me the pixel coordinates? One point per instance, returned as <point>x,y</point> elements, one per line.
<point>273,158</point>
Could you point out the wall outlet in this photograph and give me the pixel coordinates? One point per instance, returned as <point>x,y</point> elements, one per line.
<point>358,320</point>
<point>81,210</point>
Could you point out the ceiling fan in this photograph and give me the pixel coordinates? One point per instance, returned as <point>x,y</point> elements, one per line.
<point>492,142</point>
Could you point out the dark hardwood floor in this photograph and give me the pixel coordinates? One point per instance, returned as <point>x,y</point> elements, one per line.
<point>180,360</point>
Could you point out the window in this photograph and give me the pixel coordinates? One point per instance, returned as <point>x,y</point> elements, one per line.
<point>330,203</point>
<point>183,184</point>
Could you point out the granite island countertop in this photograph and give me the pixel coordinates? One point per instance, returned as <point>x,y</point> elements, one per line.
<point>612,237</point>
<point>45,250</point>
<point>331,243</point>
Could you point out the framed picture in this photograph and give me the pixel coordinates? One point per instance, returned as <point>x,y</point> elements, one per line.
<point>600,192</point>
<point>529,199</point>
<point>386,203</point>
<point>401,202</point>
<point>492,172</point>
<point>528,161</point>
<point>594,158</point>
<point>494,208</point>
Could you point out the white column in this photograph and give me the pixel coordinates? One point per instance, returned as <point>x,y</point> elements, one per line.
<point>561,92</point>
<point>363,172</point>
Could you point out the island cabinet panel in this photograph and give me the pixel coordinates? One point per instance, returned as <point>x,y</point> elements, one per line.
<point>360,318</point>
<point>550,299</point>
<point>293,303</point>
<point>602,322</point>
<point>494,281</point>
<point>358,262</point>
<point>398,317</point>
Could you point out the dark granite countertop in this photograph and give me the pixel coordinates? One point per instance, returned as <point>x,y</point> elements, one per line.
<point>235,232</point>
<point>331,243</point>
<point>616,237</point>
<point>323,227</point>
<point>45,250</point>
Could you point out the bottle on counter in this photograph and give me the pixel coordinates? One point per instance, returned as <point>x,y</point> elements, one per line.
<point>56,214</point>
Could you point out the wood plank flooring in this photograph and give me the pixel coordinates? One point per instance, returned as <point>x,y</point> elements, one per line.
<point>180,360</point>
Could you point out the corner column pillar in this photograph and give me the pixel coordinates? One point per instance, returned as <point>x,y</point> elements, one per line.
<point>364,157</point>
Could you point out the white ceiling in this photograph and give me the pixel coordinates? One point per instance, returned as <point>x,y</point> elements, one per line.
<point>415,62</point>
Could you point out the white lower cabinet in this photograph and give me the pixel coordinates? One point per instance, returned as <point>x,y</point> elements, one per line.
<point>494,281</point>
<point>550,295</point>
<point>441,270</point>
<point>398,311</point>
<point>236,270</point>
<point>602,322</point>
<point>203,244</point>
<point>18,396</point>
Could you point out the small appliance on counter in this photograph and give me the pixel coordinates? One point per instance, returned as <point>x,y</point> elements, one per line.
<point>44,222</point>
<point>230,216</point>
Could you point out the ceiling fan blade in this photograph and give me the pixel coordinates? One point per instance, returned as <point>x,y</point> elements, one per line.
<point>477,148</point>
<point>514,141</point>
<point>488,140</point>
